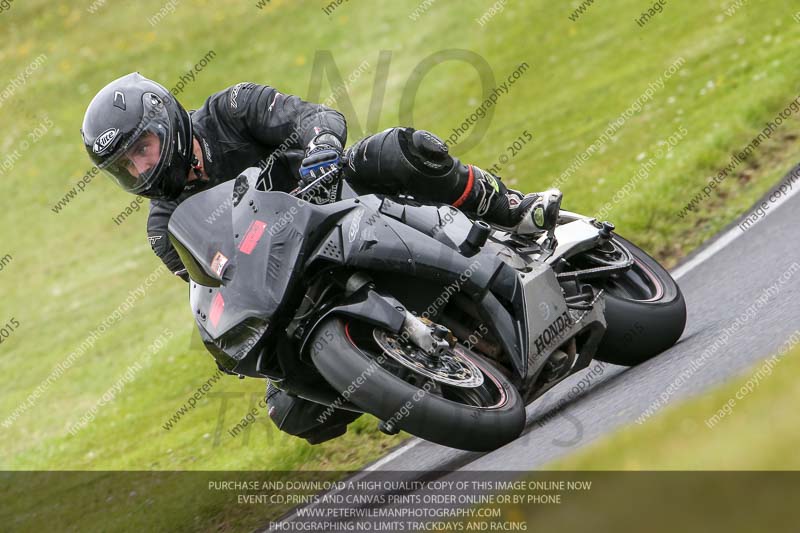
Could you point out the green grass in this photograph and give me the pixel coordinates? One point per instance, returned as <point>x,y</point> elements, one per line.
<point>757,430</point>
<point>693,455</point>
<point>70,270</point>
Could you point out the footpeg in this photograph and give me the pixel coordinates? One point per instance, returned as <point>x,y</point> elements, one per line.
<point>556,366</point>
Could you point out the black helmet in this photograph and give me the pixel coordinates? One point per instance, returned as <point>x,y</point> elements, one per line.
<point>137,132</point>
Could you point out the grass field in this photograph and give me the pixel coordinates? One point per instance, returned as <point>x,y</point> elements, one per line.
<point>68,271</point>
<point>749,424</point>
<point>700,459</point>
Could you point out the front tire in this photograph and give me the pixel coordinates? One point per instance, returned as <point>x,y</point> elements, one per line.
<point>352,365</point>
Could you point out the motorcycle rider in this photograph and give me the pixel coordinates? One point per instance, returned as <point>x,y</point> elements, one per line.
<point>137,132</point>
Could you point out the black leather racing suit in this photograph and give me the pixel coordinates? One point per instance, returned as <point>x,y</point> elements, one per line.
<point>250,125</point>
<point>244,126</point>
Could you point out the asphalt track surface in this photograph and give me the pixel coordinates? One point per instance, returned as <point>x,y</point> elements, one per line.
<point>743,300</point>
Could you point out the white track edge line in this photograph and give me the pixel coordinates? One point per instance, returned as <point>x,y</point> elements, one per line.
<point>728,237</point>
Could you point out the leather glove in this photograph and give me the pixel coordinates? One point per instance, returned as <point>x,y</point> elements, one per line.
<point>323,155</point>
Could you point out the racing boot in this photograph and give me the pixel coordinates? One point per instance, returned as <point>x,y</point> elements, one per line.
<point>524,214</point>
<point>308,420</point>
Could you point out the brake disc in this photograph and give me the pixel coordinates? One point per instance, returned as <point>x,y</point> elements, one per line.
<point>451,367</point>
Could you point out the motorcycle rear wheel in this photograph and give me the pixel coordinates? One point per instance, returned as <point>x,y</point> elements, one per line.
<point>645,311</point>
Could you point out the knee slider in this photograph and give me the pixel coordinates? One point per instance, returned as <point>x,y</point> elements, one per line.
<point>426,152</point>
<point>438,175</point>
<point>403,152</point>
<point>409,160</point>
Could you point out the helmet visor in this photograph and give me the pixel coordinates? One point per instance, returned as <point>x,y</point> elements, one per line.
<point>138,160</point>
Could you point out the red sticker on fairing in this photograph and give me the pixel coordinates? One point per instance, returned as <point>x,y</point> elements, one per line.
<point>251,238</point>
<point>217,306</point>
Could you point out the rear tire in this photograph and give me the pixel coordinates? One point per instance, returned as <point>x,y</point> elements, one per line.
<point>639,328</point>
<point>344,363</point>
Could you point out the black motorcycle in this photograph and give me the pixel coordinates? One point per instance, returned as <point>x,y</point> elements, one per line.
<point>436,324</point>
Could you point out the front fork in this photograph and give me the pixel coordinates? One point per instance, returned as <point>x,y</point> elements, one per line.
<point>432,341</point>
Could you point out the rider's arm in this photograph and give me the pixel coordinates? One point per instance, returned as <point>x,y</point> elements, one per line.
<point>276,119</point>
<point>157,221</point>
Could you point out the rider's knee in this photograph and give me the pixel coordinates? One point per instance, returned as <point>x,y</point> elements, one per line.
<point>427,153</point>
<point>405,159</point>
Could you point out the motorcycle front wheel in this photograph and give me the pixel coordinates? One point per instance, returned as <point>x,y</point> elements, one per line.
<point>460,400</point>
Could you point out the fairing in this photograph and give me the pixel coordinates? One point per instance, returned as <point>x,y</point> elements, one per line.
<point>255,257</point>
